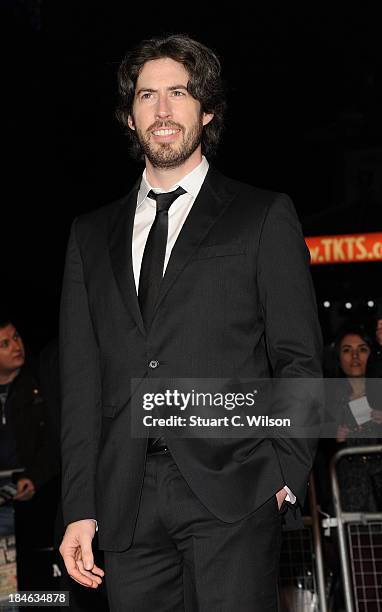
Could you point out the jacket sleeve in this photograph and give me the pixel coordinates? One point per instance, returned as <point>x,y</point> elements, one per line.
<point>80,391</point>
<point>292,334</point>
<point>45,464</point>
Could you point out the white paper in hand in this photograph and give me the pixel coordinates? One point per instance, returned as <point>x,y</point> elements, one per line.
<point>360,409</point>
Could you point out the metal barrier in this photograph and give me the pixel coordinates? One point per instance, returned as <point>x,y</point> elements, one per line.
<point>302,579</point>
<point>9,473</point>
<point>361,551</point>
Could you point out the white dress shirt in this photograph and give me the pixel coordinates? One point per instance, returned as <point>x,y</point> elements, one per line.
<point>177,214</point>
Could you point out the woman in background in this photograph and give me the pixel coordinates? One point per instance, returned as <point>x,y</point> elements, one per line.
<point>360,476</point>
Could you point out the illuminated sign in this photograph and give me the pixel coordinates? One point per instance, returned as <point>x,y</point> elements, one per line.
<point>346,248</point>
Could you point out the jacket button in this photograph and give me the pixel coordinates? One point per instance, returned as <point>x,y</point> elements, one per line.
<point>153,364</point>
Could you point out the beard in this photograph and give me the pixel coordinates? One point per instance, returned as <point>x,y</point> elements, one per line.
<point>167,155</point>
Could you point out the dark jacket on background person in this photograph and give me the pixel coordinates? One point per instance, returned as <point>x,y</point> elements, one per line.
<point>374,371</point>
<point>360,477</point>
<point>26,417</point>
<point>28,446</point>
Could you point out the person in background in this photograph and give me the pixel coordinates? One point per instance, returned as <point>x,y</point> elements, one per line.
<point>27,451</point>
<point>12,357</point>
<point>21,416</point>
<point>360,477</point>
<point>374,370</point>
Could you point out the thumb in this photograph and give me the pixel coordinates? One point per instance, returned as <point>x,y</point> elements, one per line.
<point>87,554</point>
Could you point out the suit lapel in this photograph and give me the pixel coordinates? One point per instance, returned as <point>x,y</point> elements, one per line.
<point>211,202</point>
<point>213,198</point>
<point>120,245</point>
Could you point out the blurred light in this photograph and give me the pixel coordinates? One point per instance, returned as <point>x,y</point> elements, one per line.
<point>326,304</point>
<point>348,305</point>
<point>370,304</point>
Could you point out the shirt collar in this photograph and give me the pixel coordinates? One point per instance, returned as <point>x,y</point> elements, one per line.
<point>191,183</point>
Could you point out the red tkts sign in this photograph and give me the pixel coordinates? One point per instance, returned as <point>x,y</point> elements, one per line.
<point>347,248</point>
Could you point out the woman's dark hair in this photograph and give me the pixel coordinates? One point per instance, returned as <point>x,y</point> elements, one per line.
<point>5,321</point>
<point>354,329</point>
<point>205,83</point>
<point>332,367</point>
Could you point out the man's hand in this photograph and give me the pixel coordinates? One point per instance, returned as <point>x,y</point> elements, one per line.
<point>76,551</point>
<point>25,489</point>
<point>281,495</point>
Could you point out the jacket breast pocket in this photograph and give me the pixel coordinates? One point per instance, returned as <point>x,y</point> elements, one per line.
<point>219,250</point>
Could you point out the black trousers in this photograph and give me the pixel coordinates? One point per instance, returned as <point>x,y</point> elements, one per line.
<point>183,559</point>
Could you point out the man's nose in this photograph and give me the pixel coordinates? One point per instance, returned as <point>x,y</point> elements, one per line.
<point>163,110</point>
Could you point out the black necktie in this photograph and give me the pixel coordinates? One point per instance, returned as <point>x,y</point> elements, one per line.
<point>154,254</point>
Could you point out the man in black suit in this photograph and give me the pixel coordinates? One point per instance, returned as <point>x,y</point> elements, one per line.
<point>191,275</point>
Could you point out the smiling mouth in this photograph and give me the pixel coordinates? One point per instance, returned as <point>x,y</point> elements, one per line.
<point>165,132</point>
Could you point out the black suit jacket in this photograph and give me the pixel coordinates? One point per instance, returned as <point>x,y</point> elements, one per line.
<point>236,302</point>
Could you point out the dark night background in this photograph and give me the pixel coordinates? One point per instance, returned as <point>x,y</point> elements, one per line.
<point>304,90</point>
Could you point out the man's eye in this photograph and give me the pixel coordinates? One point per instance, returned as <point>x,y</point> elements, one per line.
<point>146,96</point>
<point>177,93</point>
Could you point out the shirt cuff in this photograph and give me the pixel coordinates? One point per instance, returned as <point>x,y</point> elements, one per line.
<point>96,524</point>
<point>290,497</point>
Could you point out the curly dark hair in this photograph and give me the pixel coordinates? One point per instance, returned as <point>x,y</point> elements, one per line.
<point>205,83</point>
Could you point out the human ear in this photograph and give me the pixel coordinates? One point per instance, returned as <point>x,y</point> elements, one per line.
<point>207,117</point>
<point>130,122</point>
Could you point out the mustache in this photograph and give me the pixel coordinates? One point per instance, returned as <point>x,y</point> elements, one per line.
<point>160,125</point>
